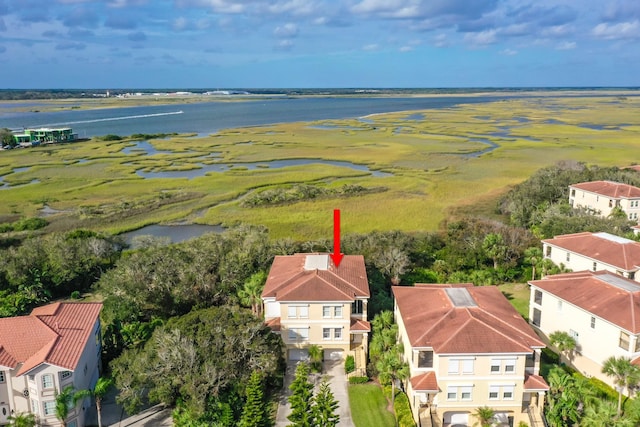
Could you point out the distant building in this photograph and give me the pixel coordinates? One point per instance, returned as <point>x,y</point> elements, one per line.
<point>56,346</point>
<point>602,197</point>
<point>44,136</point>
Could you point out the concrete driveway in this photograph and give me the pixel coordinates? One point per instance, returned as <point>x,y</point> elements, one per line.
<point>334,371</point>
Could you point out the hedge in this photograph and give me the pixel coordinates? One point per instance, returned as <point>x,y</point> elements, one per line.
<point>358,380</point>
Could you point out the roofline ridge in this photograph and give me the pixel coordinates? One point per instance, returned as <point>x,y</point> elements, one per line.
<point>499,332</point>
<point>433,325</point>
<point>462,325</point>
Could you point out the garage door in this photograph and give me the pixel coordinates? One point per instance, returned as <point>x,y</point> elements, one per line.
<point>502,418</point>
<point>333,354</point>
<point>456,419</point>
<point>298,354</point>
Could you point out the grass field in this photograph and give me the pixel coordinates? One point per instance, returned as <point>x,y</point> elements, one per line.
<point>369,406</point>
<point>518,296</point>
<point>432,156</point>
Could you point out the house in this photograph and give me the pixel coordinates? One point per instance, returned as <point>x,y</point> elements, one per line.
<point>57,345</point>
<point>308,300</point>
<point>601,197</point>
<point>600,310</point>
<point>595,251</point>
<point>467,347</point>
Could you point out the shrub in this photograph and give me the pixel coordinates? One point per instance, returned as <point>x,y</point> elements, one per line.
<point>349,364</point>
<point>403,411</point>
<point>75,295</point>
<point>111,137</point>
<point>358,380</point>
<point>602,389</point>
<point>29,224</point>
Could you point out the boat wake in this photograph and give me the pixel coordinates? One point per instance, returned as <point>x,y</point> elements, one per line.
<point>109,119</point>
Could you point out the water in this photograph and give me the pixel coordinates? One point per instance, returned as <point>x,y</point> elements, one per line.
<point>210,117</point>
<point>176,233</point>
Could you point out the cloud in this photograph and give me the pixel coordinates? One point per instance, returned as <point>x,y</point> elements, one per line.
<point>80,17</point>
<point>292,7</point>
<point>543,16</point>
<point>70,46</point>
<point>138,36</point>
<point>180,24</point>
<point>217,6</point>
<point>171,60</point>
<point>286,31</point>
<point>431,10</point>
<point>52,34</point>
<point>619,31</point>
<point>121,21</point>
<point>508,52</point>
<point>406,49</point>
<point>285,45</point>
<point>441,41</point>
<point>566,46</point>
<point>481,39</point>
<point>80,34</point>
<point>622,11</point>
<point>125,3</point>
<point>370,47</point>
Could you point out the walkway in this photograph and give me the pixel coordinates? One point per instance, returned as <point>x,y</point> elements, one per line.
<point>334,371</point>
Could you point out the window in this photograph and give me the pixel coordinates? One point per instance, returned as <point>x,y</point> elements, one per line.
<point>610,203</point>
<point>303,311</point>
<point>453,366</point>
<point>595,266</point>
<point>573,192</point>
<point>548,251</point>
<point>624,341</point>
<point>326,333</point>
<point>425,359</point>
<point>457,366</point>
<point>593,322</point>
<point>537,297</point>
<point>632,275</point>
<point>85,369</point>
<point>465,393</point>
<point>452,393</point>
<point>49,407</point>
<point>357,307</point>
<point>47,381</point>
<point>537,317</point>
<point>559,305</point>
<point>507,393</point>
<point>509,366</point>
<point>329,311</point>
<point>637,344</point>
<point>298,334</point>
<point>494,392</point>
<point>459,392</point>
<point>326,311</point>
<point>337,333</point>
<point>73,423</point>
<point>35,408</point>
<point>292,312</point>
<point>2,377</point>
<point>573,334</point>
<point>467,366</point>
<point>568,257</point>
<point>495,366</point>
<point>65,374</point>
<point>337,311</point>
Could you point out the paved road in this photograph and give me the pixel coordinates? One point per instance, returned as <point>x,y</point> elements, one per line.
<point>334,371</point>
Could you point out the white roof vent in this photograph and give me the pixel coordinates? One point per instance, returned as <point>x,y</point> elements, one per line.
<point>316,262</point>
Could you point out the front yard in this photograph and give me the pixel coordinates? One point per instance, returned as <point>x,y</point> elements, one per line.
<point>369,406</point>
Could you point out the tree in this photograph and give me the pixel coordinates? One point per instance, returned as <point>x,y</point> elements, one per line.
<point>494,246</point>
<point>393,262</point>
<point>23,419</point>
<point>315,357</point>
<point>625,375</point>
<point>604,413</point>
<point>325,407</point>
<point>485,415</point>
<point>301,398</point>
<point>564,342</point>
<point>67,400</point>
<point>533,256</point>
<point>254,412</point>
<point>391,368</point>
<point>99,391</point>
<point>250,294</point>
<point>6,138</point>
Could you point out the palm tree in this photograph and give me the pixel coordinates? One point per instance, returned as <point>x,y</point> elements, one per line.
<point>23,419</point>
<point>99,392</point>
<point>603,413</point>
<point>391,368</point>
<point>624,373</point>
<point>564,342</point>
<point>315,357</point>
<point>485,415</point>
<point>250,294</point>
<point>67,400</point>
<point>534,256</point>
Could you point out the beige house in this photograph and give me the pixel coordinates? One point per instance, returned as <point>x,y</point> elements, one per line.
<point>467,347</point>
<point>595,251</point>
<point>57,345</point>
<point>600,310</point>
<point>601,197</point>
<point>308,300</point>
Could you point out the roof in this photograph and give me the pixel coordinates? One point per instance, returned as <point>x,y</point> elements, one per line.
<point>314,277</point>
<point>274,324</point>
<point>425,382</point>
<point>492,325</point>
<point>604,247</point>
<point>359,325</point>
<point>614,190</point>
<point>55,334</point>
<point>535,383</point>
<point>606,295</point>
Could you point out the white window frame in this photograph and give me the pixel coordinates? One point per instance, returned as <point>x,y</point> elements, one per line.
<point>337,333</point>
<point>452,391</point>
<point>508,389</point>
<point>495,363</point>
<point>45,383</point>
<point>326,333</point>
<point>298,334</point>
<point>494,389</point>
<point>35,406</point>
<point>303,313</point>
<point>292,312</point>
<point>510,363</point>
<point>454,367</point>
<point>326,311</point>
<point>467,366</point>
<point>337,312</point>
<point>2,377</point>
<point>466,390</point>
<point>49,408</point>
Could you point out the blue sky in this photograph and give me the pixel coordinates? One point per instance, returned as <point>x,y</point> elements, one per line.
<point>318,43</point>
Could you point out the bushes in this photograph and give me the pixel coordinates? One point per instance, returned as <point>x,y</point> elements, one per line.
<point>358,380</point>
<point>349,364</point>
<point>403,411</point>
<point>24,224</point>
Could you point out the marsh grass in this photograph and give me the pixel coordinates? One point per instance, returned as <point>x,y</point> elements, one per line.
<point>433,176</point>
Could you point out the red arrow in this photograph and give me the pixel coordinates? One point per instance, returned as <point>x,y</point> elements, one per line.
<point>336,256</point>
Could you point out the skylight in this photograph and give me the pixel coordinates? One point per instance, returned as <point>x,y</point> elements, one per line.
<point>460,297</point>
<point>613,238</point>
<point>316,262</point>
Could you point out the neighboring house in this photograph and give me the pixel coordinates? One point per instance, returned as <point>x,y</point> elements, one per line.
<point>310,301</point>
<point>595,251</point>
<point>40,354</point>
<point>601,197</point>
<point>468,347</point>
<point>600,310</point>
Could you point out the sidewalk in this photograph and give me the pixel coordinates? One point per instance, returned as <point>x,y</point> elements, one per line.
<point>113,415</point>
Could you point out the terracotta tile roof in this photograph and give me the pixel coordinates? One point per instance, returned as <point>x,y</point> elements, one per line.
<point>288,279</point>
<point>274,324</point>
<point>606,295</point>
<point>535,383</point>
<point>604,247</point>
<point>614,190</point>
<point>55,334</point>
<point>359,325</point>
<point>489,324</point>
<point>425,382</point>
<point>636,361</point>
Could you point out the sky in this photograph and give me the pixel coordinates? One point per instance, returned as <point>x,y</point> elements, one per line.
<point>318,43</point>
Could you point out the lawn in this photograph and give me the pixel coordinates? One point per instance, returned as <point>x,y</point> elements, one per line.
<point>369,406</point>
<point>518,296</point>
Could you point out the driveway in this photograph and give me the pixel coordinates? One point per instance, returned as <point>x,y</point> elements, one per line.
<point>334,371</point>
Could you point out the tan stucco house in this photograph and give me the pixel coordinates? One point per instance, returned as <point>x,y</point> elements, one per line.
<point>468,347</point>
<point>57,345</point>
<point>595,251</point>
<point>308,300</point>
<point>602,197</point>
<point>600,310</point>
